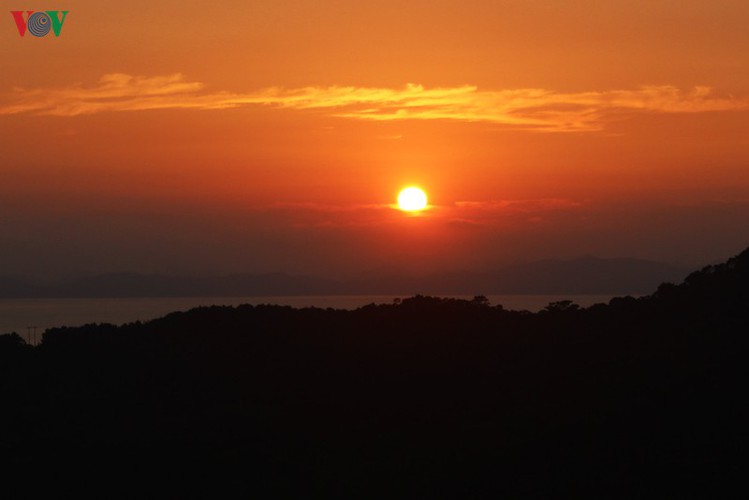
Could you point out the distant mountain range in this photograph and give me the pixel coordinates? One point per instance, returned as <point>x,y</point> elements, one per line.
<point>584,275</point>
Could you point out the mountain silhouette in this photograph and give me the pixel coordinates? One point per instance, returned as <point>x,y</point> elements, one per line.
<point>586,275</point>
<point>426,397</point>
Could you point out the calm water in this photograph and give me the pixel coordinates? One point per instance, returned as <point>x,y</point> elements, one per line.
<point>16,315</point>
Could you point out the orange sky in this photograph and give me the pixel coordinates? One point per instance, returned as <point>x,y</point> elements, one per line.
<point>252,136</point>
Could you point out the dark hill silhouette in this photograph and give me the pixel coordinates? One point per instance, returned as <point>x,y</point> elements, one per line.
<point>422,398</point>
<point>139,285</point>
<point>13,286</point>
<point>585,275</point>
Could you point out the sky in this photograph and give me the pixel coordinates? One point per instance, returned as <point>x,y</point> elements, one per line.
<point>241,136</point>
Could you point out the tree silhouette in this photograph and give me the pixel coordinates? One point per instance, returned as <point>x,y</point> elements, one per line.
<point>426,397</point>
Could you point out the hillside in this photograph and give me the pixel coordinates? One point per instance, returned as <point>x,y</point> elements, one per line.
<point>424,398</point>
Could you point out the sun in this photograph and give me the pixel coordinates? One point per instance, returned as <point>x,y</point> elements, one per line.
<point>412,199</point>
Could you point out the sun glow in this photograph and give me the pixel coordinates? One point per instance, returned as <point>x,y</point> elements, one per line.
<point>412,199</point>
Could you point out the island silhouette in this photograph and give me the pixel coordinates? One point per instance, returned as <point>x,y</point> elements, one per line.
<point>426,397</point>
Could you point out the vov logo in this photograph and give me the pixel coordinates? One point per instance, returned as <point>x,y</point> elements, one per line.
<point>39,23</point>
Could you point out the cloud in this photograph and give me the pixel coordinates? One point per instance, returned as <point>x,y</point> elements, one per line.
<point>527,206</point>
<point>530,109</point>
<point>461,213</point>
<point>114,92</point>
<point>501,212</point>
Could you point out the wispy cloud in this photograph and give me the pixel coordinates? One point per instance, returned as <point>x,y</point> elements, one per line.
<point>532,109</point>
<point>515,206</point>
<point>113,92</point>
<point>471,213</point>
<point>499,212</point>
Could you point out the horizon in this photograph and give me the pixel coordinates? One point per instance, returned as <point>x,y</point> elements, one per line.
<point>585,275</point>
<point>388,268</point>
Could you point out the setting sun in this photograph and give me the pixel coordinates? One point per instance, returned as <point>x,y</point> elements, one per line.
<point>412,199</point>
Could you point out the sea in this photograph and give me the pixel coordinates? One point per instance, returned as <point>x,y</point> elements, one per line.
<point>31,317</point>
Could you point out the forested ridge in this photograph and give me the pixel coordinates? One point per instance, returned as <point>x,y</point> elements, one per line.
<point>423,398</point>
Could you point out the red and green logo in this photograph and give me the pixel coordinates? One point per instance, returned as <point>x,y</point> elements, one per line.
<point>39,23</point>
